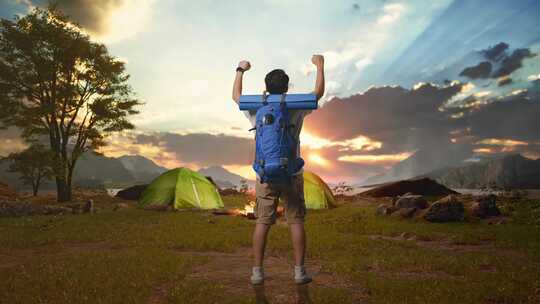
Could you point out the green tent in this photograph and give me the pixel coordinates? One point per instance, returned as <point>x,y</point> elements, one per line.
<point>182,188</point>
<point>317,194</point>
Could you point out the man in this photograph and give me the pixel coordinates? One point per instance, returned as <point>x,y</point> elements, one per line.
<point>268,194</point>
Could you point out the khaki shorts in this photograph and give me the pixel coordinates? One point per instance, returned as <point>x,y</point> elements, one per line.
<point>268,197</point>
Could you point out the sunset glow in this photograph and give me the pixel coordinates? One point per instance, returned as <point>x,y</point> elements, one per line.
<point>359,143</point>
<point>244,171</point>
<point>318,160</point>
<point>502,142</point>
<point>374,159</point>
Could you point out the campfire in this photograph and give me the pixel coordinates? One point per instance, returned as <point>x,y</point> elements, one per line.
<point>248,211</point>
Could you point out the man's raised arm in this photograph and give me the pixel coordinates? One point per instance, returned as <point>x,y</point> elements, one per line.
<point>318,61</point>
<point>237,86</point>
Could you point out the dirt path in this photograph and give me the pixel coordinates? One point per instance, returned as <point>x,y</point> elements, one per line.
<point>232,270</point>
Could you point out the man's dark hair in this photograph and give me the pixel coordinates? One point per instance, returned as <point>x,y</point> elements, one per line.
<point>277,82</point>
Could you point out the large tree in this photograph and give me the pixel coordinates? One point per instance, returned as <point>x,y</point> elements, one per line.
<point>56,82</point>
<point>33,164</point>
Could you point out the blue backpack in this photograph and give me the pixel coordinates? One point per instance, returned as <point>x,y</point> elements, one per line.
<point>275,148</point>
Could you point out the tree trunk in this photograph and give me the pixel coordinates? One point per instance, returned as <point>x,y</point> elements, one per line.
<point>62,192</point>
<point>35,189</point>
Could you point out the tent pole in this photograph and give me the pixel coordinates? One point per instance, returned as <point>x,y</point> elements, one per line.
<point>195,191</point>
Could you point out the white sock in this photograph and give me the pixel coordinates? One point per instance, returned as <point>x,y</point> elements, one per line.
<point>299,271</point>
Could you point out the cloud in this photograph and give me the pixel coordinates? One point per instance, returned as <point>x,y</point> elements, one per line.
<point>498,61</point>
<point>513,62</point>
<point>512,117</point>
<point>504,81</point>
<point>202,149</point>
<point>495,52</point>
<point>106,20</point>
<point>533,78</point>
<point>399,118</point>
<point>385,159</point>
<point>482,70</point>
<point>11,141</point>
<point>392,12</point>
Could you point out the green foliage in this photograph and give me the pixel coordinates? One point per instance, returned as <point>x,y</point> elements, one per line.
<point>56,82</point>
<point>33,164</point>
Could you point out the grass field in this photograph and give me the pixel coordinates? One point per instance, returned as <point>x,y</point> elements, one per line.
<point>138,256</point>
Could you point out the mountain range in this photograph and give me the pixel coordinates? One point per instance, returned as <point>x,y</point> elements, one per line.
<point>422,162</point>
<point>512,171</point>
<point>94,170</point>
<point>223,178</point>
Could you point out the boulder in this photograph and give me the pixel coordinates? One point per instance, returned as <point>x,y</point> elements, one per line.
<point>119,206</point>
<point>420,186</point>
<point>485,206</point>
<point>412,201</point>
<point>447,209</point>
<point>17,209</point>
<point>383,209</point>
<point>405,212</point>
<point>88,206</point>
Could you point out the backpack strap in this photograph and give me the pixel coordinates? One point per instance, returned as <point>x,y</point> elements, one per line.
<point>282,101</point>
<point>264,97</point>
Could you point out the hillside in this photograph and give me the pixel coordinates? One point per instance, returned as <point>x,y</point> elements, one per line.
<point>223,177</point>
<point>510,171</point>
<point>93,170</point>
<point>422,162</point>
<point>142,168</point>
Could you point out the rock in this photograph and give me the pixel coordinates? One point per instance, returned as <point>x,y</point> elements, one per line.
<point>405,235</point>
<point>54,210</point>
<point>383,209</point>
<point>119,206</point>
<point>88,206</point>
<point>17,209</point>
<point>412,201</point>
<point>485,206</point>
<point>405,212</point>
<point>421,186</point>
<point>447,209</point>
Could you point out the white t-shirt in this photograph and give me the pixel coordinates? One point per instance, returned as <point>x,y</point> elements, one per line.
<point>296,119</point>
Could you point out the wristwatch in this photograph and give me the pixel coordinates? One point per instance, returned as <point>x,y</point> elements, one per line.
<point>239,69</point>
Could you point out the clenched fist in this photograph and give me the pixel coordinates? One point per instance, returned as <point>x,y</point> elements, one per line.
<point>244,64</point>
<point>318,60</point>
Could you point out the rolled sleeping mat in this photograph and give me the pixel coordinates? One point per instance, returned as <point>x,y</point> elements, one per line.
<point>292,101</point>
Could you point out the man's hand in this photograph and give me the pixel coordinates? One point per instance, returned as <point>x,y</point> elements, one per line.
<point>245,65</point>
<point>318,60</point>
<point>237,86</point>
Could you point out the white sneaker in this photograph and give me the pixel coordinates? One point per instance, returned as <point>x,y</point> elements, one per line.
<point>300,275</point>
<point>257,276</point>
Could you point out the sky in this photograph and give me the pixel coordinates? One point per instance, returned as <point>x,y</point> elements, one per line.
<point>401,76</point>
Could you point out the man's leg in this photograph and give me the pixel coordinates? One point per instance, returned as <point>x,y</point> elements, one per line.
<point>260,235</point>
<point>298,236</point>
<point>265,211</point>
<point>295,209</point>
